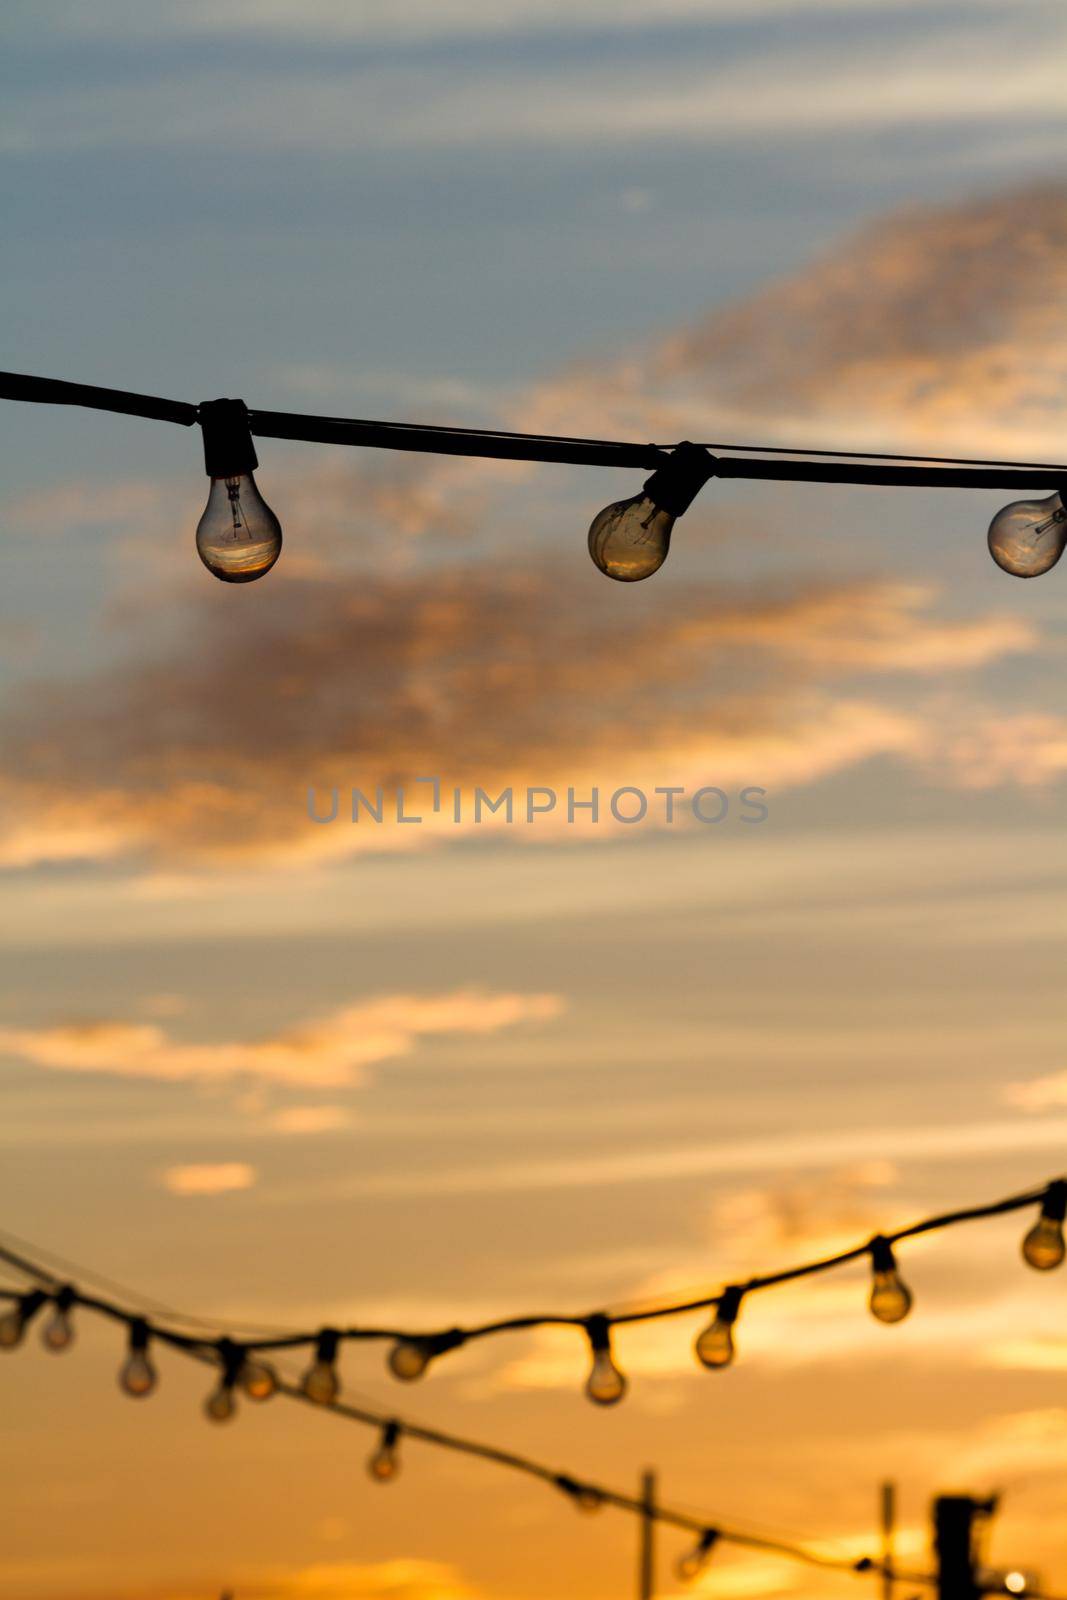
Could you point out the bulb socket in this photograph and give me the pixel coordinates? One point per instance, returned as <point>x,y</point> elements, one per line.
<point>598,1331</point>
<point>228,448</point>
<point>1054,1205</point>
<point>674,486</point>
<point>882,1257</point>
<point>729,1305</point>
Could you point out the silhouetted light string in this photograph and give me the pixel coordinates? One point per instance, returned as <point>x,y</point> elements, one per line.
<point>384,1463</point>
<point>239,538</point>
<point>413,1351</point>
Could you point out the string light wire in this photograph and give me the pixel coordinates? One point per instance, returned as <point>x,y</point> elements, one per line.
<point>750,461</point>
<point>424,1345</point>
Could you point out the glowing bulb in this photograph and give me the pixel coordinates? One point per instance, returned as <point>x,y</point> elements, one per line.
<point>1028,537</point>
<point>137,1375</point>
<point>14,1322</point>
<point>715,1347</point>
<point>1043,1246</point>
<point>1015,1582</point>
<point>693,1562</point>
<point>630,540</point>
<point>58,1332</point>
<point>890,1296</point>
<point>605,1385</point>
<point>409,1358</point>
<point>385,1462</point>
<point>238,538</point>
<point>320,1382</point>
<point>258,1379</point>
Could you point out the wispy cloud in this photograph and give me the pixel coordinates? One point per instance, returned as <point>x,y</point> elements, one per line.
<point>328,1052</point>
<point>209,1178</point>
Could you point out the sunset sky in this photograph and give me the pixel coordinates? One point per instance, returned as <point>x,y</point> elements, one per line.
<point>282,1073</point>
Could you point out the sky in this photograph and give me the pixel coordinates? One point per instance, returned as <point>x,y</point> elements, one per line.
<point>277,1071</point>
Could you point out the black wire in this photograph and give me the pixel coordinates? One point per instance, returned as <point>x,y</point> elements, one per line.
<point>620,1316</point>
<point>913,471</point>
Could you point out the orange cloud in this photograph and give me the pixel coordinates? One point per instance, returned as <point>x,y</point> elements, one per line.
<point>327,1052</point>
<point>218,1178</point>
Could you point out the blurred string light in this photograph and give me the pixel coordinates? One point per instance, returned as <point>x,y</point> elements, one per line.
<point>239,538</point>
<point>244,1365</point>
<point>238,1365</point>
<point>232,1364</point>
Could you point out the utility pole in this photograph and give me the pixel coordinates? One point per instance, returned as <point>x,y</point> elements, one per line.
<point>955,1544</point>
<point>646,1552</point>
<point>888,1506</point>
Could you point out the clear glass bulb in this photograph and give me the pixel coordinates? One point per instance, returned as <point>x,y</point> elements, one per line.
<point>385,1462</point>
<point>630,539</point>
<point>220,1404</point>
<point>890,1296</point>
<point>692,1563</point>
<point>715,1347</point>
<point>408,1359</point>
<point>1043,1246</point>
<point>1028,537</point>
<point>58,1332</point>
<point>12,1328</point>
<point>605,1385</point>
<point>137,1376</point>
<point>258,1379</point>
<point>320,1382</point>
<point>238,538</point>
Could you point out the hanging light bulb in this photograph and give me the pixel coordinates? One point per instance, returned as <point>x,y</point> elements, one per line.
<point>137,1375</point>
<point>58,1332</point>
<point>692,1563</point>
<point>238,538</point>
<point>1043,1246</point>
<point>410,1356</point>
<point>890,1296</point>
<point>1028,537</point>
<point>320,1382</point>
<point>258,1378</point>
<point>605,1385</point>
<point>630,539</point>
<point>14,1322</point>
<point>385,1462</point>
<point>220,1404</point>
<point>715,1346</point>
<point>585,1497</point>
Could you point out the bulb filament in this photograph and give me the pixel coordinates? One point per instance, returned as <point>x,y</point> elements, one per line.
<point>233,489</point>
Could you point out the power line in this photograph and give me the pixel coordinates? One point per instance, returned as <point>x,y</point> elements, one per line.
<point>413,1350</point>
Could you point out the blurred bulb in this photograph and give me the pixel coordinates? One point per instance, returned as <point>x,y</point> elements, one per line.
<point>584,1495</point>
<point>58,1332</point>
<point>1028,537</point>
<point>137,1375</point>
<point>1015,1582</point>
<point>320,1382</point>
<point>693,1562</point>
<point>605,1385</point>
<point>238,538</point>
<point>630,540</point>
<point>715,1346</point>
<point>14,1322</point>
<point>385,1462</point>
<point>890,1296</point>
<point>1043,1246</point>
<point>409,1358</point>
<point>220,1405</point>
<point>258,1379</point>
